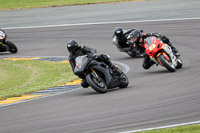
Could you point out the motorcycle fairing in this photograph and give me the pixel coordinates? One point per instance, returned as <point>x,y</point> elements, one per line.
<point>105,72</point>
<point>2,35</point>
<point>111,81</point>
<point>81,64</point>
<point>169,52</point>
<point>153,44</point>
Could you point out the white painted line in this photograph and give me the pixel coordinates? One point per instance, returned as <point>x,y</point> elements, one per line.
<point>169,126</point>
<point>101,23</point>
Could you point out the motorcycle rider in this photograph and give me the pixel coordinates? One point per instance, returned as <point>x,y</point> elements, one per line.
<point>139,38</point>
<point>2,41</point>
<point>122,41</point>
<point>76,50</point>
<point>120,38</point>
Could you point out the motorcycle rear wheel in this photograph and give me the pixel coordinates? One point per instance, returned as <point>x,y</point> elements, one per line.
<point>179,63</point>
<point>97,83</point>
<point>166,64</point>
<point>123,81</point>
<point>12,47</point>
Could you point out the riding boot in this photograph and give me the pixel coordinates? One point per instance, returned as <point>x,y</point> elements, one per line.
<point>107,61</point>
<point>115,69</point>
<point>84,83</point>
<point>124,49</point>
<point>147,62</point>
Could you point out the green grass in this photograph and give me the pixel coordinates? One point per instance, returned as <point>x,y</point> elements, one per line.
<point>24,4</point>
<point>180,129</point>
<point>25,77</point>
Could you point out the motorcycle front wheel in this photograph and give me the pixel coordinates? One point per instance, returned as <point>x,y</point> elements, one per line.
<point>166,63</point>
<point>12,47</point>
<point>97,83</point>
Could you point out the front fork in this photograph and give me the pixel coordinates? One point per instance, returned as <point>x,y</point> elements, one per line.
<point>169,58</point>
<point>95,74</point>
<point>164,54</point>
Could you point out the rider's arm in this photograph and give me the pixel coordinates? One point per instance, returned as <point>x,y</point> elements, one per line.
<point>128,32</point>
<point>162,37</point>
<point>153,34</point>
<point>89,50</point>
<point>115,40</point>
<point>145,35</point>
<point>72,62</point>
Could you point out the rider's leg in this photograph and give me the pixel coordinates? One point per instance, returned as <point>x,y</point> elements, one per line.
<point>147,63</point>
<point>107,61</point>
<point>84,83</point>
<point>166,40</point>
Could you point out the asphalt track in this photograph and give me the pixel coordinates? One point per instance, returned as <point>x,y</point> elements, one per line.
<point>154,98</point>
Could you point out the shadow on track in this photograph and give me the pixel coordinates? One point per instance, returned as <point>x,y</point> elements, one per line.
<point>91,92</point>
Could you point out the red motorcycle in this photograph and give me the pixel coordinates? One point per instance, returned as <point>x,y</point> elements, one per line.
<point>161,53</point>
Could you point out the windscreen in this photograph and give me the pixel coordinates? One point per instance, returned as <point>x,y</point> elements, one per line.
<point>149,41</point>
<point>81,63</point>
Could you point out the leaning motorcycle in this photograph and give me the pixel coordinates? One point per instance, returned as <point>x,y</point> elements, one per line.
<point>132,50</point>
<point>161,53</point>
<point>98,75</point>
<point>5,44</point>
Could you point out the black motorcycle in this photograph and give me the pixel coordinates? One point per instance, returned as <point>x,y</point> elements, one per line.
<point>5,44</point>
<point>132,50</point>
<point>98,75</point>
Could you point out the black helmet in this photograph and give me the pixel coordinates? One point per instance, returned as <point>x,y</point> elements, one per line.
<point>134,35</point>
<point>72,46</point>
<point>118,31</point>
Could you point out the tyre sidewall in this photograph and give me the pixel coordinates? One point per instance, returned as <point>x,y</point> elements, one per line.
<point>123,81</point>
<point>94,86</point>
<point>12,47</point>
<point>166,64</point>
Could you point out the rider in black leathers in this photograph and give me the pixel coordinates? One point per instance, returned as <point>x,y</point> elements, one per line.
<point>3,46</point>
<point>75,50</point>
<point>120,38</point>
<point>137,37</point>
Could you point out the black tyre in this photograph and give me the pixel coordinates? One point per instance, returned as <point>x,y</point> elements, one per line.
<point>12,47</point>
<point>97,83</point>
<point>167,64</point>
<point>123,81</point>
<point>179,63</point>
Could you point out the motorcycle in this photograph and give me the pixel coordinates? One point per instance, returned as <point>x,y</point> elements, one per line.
<point>5,44</point>
<point>98,75</point>
<point>161,53</point>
